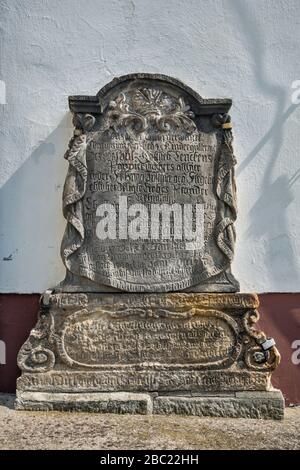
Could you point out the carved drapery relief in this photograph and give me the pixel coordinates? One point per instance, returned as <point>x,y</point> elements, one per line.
<point>226,188</point>
<point>75,187</point>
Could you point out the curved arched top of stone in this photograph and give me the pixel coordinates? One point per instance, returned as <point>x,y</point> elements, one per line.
<point>97,104</point>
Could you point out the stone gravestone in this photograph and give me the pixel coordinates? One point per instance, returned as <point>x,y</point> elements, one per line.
<point>148,318</point>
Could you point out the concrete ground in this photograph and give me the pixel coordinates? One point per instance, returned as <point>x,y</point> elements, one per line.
<point>56,430</point>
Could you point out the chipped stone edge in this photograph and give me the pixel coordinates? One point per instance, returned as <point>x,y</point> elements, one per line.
<point>97,402</point>
<point>254,405</point>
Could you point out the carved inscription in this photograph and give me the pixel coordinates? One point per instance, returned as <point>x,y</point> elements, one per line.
<point>150,170</point>
<point>140,381</point>
<point>206,340</point>
<point>146,168</point>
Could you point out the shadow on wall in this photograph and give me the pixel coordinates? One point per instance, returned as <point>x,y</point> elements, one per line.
<point>270,211</point>
<point>32,221</point>
<point>268,217</point>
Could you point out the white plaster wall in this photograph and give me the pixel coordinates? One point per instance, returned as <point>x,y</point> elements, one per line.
<point>244,49</point>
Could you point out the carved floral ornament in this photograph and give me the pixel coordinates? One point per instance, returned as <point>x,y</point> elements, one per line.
<point>149,106</point>
<point>146,107</point>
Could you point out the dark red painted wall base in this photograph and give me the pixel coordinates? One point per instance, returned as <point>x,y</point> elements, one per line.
<point>18,315</point>
<point>280,319</point>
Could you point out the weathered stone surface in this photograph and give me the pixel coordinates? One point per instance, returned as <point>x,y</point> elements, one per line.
<point>148,379</point>
<point>150,205</point>
<point>258,405</point>
<point>148,143</point>
<point>120,403</point>
<point>147,342</point>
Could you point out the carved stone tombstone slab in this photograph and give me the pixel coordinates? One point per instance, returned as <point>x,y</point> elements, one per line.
<point>156,153</point>
<point>150,206</point>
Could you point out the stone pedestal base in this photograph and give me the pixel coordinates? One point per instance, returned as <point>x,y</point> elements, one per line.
<point>184,353</point>
<point>257,405</point>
